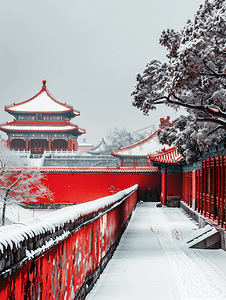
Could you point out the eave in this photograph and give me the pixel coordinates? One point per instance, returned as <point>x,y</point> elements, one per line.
<point>170,156</point>
<point>63,126</point>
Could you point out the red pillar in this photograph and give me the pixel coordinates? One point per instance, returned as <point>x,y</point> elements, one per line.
<point>163,194</point>
<point>50,145</point>
<point>209,185</point>
<point>193,183</point>
<point>222,190</point>
<point>76,145</point>
<point>198,191</point>
<point>224,182</point>
<point>204,187</point>
<point>69,145</point>
<point>26,145</point>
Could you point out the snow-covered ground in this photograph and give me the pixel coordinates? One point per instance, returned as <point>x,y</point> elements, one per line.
<point>152,261</point>
<point>16,213</point>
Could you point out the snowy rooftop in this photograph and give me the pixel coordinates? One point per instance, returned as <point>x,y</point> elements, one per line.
<point>170,155</point>
<point>143,148</point>
<point>43,128</point>
<point>41,102</point>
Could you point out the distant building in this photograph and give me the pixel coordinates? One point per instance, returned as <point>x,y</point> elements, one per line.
<point>138,154</point>
<point>42,123</point>
<point>84,146</point>
<point>101,148</point>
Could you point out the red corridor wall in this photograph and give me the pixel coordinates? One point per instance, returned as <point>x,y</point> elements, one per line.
<point>79,187</point>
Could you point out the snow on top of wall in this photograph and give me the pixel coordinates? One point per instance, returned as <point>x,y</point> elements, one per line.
<point>15,234</point>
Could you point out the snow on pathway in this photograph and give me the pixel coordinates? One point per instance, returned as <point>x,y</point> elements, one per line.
<point>153,262</point>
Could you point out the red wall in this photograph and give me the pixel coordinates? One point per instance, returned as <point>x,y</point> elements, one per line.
<point>60,272</point>
<point>82,187</point>
<point>174,184</point>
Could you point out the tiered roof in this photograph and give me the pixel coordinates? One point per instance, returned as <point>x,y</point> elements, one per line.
<point>42,102</point>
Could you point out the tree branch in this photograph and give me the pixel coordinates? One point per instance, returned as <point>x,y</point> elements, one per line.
<point>213,72</point>
<point>217,128</point>
<point>216,121</point>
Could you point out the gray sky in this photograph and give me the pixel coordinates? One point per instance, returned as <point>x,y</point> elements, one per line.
<point>89,51</point>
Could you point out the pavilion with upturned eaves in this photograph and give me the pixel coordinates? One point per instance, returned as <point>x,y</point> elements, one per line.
<point>42,123</point>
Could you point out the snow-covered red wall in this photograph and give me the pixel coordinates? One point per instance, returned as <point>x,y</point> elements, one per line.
<point>61,255</point>
<point>72,185</point>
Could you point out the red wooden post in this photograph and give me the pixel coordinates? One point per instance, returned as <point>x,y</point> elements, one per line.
<point>222,190</point>
<point>204,187</point>
<point>163,195</point>
<point>198,190</point>
<point>213,190</point>
<point>224,183</point>
<point>26,145</point>
<point>69,145</point>
<point>201,188</point>
<point>193,188</point>
<point>218,170</point>
<point>209,185</point>
<point>76,146</point>
<point>50,145</point>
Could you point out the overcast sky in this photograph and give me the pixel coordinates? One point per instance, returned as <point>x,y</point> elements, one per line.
<point>89,51</point>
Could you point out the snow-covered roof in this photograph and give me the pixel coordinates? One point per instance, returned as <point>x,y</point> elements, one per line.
<point>41,126</point>
<point>146,146</point>
<point>164,155</point>
<point>100,148</point>
<point>42,102</point>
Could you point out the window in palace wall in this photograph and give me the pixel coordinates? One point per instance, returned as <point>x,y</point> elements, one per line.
<point>39,117</point>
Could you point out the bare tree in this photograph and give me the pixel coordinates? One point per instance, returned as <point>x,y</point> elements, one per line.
<point>18,182</point>
<point>118,138</point>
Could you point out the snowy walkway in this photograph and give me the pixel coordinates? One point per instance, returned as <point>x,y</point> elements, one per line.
<point>153,262</point>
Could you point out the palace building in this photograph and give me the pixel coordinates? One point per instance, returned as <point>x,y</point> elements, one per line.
<point>138,154</point>
<point>42,123</point>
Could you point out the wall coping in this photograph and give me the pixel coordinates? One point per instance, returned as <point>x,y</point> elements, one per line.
<point>26,240</point>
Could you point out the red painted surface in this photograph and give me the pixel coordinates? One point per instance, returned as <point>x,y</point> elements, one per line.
<point>206,187</point>
<point>174,182</point>
<point>171,186</point>
<point>61,271</point>
<point>83,187</point>
<point>163,186</point>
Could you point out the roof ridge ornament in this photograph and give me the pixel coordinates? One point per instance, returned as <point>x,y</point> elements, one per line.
<point>44,85</point>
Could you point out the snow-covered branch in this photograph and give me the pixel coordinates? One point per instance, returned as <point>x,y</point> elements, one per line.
<point>194,77</point>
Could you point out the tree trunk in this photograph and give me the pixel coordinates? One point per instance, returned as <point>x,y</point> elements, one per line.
<point>3,212</point>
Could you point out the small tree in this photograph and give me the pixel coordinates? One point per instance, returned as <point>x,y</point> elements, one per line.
<point>18,182</point>
<point>193,77</point>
